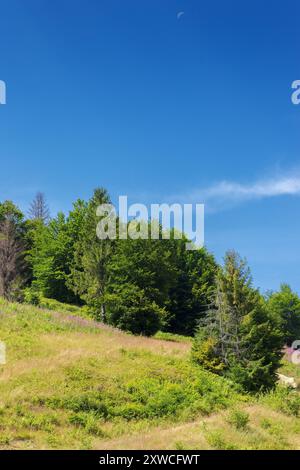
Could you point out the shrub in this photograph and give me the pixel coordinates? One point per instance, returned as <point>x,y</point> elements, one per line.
<point>203,353</point>
<point>238,419</point>
<point>131,310</point>
<point>284,400</point>
<point>89,402</point>
<point>217,440</point>
<point>32,296</point>
<point>88,421</point>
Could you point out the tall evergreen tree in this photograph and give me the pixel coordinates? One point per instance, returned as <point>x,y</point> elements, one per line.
<point>238,336</point>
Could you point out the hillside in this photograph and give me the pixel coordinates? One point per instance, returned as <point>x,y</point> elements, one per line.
<point>72,383</point>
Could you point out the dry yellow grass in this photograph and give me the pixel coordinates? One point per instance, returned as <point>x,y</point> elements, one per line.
<point>281,432</point>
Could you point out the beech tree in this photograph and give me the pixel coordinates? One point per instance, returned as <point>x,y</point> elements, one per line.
<point>52,254</point>
<point>191,291</point>
<point>88,276</point>
<point>285,307</point>
<point>140,276</point>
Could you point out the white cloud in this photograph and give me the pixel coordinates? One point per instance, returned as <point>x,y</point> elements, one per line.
<point>226,193</point>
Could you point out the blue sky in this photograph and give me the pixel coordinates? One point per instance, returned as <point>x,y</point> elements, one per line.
<point>123,94</point>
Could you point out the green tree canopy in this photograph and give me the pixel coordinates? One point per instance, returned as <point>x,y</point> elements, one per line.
<point>285,307</point>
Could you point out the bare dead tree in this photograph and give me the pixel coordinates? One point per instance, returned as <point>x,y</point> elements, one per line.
<point>39,209</point>
<point>222,321</point>
<point>11,262</point>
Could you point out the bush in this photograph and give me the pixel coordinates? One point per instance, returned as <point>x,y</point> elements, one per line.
<point>88,421</point>
<point>238,419</point>
<point>131,310</point>
<point>32,296</point>
<point>284,400</point>
<point>89,402</point>
<point>203,353</point>
<point>217,440</point>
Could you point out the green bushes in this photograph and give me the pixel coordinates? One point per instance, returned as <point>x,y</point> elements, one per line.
<point>284,400</point>
<point>52,304</point>
<point>238,418</point>
<point>132,311</point>
<point>152,395</point>
<point>203,353</point>
<point>285,308</point>
<point>32,296</point>
<point>87,402</point>
<point>218,441</point>
<point>88,421</point>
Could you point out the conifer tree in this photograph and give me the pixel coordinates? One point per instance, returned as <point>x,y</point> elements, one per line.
<point>39,209</point>
<point>243,340</point>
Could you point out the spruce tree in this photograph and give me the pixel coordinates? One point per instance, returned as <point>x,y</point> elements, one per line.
<point>244,342</point>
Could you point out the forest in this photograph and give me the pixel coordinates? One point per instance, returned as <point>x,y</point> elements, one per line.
<point>148,286</point>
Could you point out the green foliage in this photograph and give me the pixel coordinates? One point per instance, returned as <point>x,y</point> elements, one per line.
<point>145,286</point>
<point>120,387</point>
<point>283,399</point>
<point>173,337</point>
<point>9,211</point>
<point>32,296</point>
<point>191,292</point>
<point>151,398</point>
<point>52,254</point>
<point>261,343</point>
<point>52,304</point>
<point>89,421</point>
<point>218,441</point>
<point>238,336</point>
<point>140,274</point>
<point>238,419</point>
<point>131,310</point>
<point>285,307</point>
<point>203,353</point>
<point>89,267</point>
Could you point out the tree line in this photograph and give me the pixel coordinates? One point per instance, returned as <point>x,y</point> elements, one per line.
<point>142,286</point>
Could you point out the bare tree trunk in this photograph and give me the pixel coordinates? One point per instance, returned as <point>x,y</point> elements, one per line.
<point>10,258</point>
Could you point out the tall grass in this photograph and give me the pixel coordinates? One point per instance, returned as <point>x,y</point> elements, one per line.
<point>70,385</point>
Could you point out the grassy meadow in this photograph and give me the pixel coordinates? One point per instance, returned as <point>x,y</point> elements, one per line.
<point>72,383</point>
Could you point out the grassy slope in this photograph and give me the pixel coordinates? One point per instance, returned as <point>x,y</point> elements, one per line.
<point>72,383</point>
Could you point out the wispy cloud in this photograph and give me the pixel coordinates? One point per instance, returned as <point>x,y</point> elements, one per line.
<point>226,193</point>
